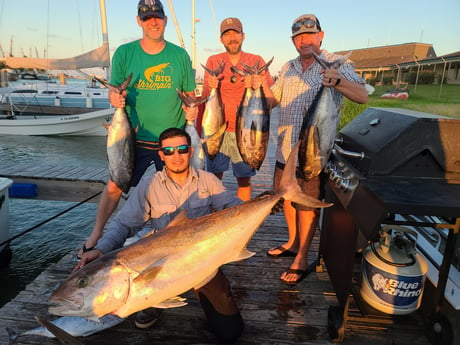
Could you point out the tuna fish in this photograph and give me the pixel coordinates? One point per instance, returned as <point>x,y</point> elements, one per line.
<point>64,337</point>
<point>253,122</point>
<point>197,144</point>
<point>213,116</point>
<point>153,271</point>
<point>120,143</point>
<point>74,325</point>
<point>319,127</point>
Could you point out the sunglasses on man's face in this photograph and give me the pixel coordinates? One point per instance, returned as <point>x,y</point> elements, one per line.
<point>308,23</point>
<point>169,150</point>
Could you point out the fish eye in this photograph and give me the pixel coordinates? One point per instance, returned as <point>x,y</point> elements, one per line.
<point>82,282</point>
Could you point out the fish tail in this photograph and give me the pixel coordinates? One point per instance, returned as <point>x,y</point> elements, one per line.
<point>12,335</point>
<point>118,89</point>
<point>216,71</point>
<point>289,188</point>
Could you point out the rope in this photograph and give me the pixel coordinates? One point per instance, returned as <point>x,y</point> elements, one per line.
<point>49,219</point>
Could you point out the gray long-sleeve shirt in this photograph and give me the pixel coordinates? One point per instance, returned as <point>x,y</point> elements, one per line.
<point>158,199</point>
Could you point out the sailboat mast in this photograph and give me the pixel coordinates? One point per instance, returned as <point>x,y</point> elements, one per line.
<point>193,36</point>
<point>176,24</point>
<point>105,35</point>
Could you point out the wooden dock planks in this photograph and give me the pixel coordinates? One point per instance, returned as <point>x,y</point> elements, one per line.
<point>273,312</point>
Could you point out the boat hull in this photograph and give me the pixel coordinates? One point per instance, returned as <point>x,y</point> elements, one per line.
<point>86,124</point>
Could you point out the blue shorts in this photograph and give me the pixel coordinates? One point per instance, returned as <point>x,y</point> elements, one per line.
<point>229,152</point>
<point>144,158</point>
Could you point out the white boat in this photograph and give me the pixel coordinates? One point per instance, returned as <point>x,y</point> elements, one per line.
<point>54,109</point>
<point>5,251</point>
<point>52,98</point>
<point>85,124</point>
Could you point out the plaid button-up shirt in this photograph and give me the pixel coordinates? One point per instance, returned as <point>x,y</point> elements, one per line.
<point>295,91</point>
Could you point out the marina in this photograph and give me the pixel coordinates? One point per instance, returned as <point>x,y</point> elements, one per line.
<point>273,312</point>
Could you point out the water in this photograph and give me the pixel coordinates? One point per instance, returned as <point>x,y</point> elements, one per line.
<point>36,250</point>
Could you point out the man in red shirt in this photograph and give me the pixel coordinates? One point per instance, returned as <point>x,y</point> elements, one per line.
<point>231,88</point>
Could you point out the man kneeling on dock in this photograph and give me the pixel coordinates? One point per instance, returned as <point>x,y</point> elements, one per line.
<point>157,200</point>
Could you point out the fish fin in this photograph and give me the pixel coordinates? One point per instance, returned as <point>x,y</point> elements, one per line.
<point>309,153</point>
<point>288,186</point>
<point>12,335</point>
<point>94,318</point>
<point>244,254</point>
<point>215,141</point>
<point>61,335</point>
<point>150,272</point>
<point>173,302</point>
<point>181,218</point>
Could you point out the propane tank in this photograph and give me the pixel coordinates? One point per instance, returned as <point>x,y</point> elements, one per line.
<point>393,274</point>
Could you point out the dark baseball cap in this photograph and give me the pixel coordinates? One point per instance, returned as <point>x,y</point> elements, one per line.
<point>150,8</point>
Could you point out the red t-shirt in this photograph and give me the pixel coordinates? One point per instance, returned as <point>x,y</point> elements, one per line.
<point>231,87</point>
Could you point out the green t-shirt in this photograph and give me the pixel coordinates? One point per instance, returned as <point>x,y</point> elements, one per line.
<point>152,102</point>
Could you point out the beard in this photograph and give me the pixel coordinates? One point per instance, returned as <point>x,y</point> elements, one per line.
<point>178,170</point>
<point>233,47</point>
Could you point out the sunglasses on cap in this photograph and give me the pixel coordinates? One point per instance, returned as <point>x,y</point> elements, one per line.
<point>147,8</point>
<point>307,23</point>
<point>169,150</point>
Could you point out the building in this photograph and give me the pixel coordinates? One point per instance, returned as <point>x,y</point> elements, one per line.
<point>394,63</point>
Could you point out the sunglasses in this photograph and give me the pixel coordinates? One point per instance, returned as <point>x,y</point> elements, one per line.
<point>308,23</point>
<point>169,150</point>
<point>146,8</point>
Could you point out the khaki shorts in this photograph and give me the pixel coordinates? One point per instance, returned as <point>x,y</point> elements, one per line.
<point>313,187</point>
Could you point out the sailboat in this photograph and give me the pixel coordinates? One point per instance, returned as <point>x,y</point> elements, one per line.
<point>44,111</point>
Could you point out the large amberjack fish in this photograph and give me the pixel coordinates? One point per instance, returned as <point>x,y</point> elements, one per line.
<point>153,271</point>
<point>197,160</point>
<point>253,122</point>
<point>319,126</point>
<point>120,142</point>
<point>213,117</point>
<point>75,326</point>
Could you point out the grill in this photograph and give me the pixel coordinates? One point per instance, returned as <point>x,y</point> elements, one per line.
<point>394,166</point>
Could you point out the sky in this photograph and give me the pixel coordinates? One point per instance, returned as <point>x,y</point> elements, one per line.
<point>71,27</point>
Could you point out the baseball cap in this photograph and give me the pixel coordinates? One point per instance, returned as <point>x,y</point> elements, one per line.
<point>305,23</point>
<point>231,24</point>
<point>150,8</point>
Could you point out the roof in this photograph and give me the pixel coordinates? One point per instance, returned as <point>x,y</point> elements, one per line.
<point>390,54</point>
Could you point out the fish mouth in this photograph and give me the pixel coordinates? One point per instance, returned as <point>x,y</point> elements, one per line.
<point>60,305</point>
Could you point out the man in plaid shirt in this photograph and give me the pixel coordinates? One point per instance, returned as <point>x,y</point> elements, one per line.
<point>299,82</point>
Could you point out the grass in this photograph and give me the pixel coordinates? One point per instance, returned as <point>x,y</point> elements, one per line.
<point>426,98</point>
